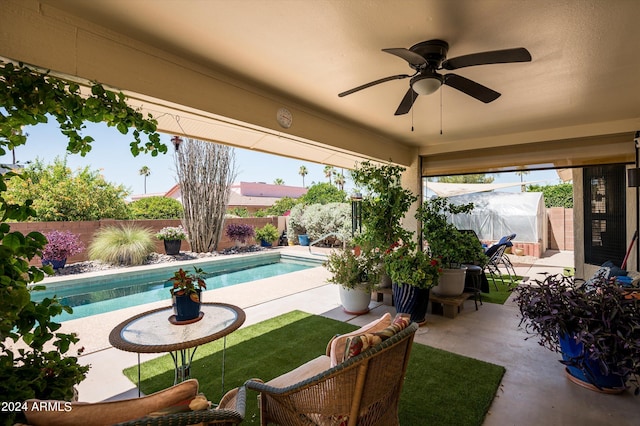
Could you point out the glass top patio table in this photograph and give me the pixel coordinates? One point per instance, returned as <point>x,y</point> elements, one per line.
<point>152,332</point>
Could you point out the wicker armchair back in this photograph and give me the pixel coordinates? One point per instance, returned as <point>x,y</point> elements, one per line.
<point>364,390</point>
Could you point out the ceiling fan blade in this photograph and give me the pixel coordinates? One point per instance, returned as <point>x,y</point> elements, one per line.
<point>406,54</point>
<point>471,88</point>
<point>519,54</point>
<point>373,83</point>
<point>407,102</point>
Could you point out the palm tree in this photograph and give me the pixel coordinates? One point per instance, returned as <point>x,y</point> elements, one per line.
<point>328,172</point>
<point>521,173</point>
<point>145,171</point>
<point>339,180</point>
<point>303,172</point>
<point>278,181</point>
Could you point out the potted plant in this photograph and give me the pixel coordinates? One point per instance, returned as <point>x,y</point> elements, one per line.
<point>596,327</point>
<point>413,273</point>
<point>186,292</point>
<point>267,235</point>
<point>357,273</point>
<point>453,247</point>
<point>60,246</point>
<point>240,233</point>
<point>384,203</point>
<point>172,237</point>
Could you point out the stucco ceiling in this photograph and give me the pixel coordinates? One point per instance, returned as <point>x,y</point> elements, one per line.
<point>582,81</point>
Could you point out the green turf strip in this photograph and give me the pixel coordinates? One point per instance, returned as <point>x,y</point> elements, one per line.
<point>440,388</point>
<point>504,290</point>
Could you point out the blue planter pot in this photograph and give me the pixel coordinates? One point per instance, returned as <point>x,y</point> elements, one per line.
<point>55,264</point>
<point>411,300</point>
<point>584,369</point>
<point>264,243</point>
<point>303,240</point>
<point>186,309</point>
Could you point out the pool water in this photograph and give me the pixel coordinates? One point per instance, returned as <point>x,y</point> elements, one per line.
<point>92,299</point>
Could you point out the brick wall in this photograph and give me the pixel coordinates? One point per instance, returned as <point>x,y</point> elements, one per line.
<point>560,228</point>
<point>87,229</point>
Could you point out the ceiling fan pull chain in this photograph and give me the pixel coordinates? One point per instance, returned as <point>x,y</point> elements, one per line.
<point>441,111</point>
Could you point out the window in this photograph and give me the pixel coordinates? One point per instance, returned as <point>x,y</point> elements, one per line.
<point>604,214</point>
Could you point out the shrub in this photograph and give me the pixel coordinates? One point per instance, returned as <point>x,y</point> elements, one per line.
<point>323,193</point>
<point>238,211</point>
<point>323,219</point>
<point>172,233</point>
<point>295,225</point>
<point>268,233</point>
<point>122,245</point>
<point>156,208</point>
<point>240,232</point>
<point>61,245</point>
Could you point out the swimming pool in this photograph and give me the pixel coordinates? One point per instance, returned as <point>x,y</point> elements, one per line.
<point>106,293</point>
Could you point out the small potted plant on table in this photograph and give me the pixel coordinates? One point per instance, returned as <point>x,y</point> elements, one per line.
<point>172,237</point>
<point>186,294</point>
<point>596,327</point>
<point>60,246</point>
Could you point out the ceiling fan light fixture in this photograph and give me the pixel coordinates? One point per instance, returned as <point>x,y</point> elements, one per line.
<point>426,84</point>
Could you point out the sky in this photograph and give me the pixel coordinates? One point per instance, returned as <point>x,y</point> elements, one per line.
<point>110,155</point>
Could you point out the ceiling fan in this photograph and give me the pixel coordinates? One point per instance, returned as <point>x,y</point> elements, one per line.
<point>427,57</point>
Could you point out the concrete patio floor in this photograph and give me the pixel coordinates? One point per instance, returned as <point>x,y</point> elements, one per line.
<point>533,391</point>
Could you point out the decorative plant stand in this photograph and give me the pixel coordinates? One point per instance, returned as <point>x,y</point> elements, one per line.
<point>449,306</point>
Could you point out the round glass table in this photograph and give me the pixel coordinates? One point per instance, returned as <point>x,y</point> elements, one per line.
<point>153,332</point>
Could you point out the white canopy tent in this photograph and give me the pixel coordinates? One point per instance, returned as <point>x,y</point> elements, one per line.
<point>497,214</point>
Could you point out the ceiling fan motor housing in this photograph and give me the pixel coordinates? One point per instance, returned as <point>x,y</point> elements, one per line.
<point>433,51</point>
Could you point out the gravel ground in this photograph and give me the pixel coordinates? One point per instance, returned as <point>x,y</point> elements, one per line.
<point>153,259</point>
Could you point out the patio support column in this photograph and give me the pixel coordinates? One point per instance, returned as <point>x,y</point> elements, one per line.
<point>411,179</point>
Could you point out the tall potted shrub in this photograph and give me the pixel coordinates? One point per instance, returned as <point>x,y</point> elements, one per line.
<point>595,327</point>
<point>384,204</point>
<point>453,247</point>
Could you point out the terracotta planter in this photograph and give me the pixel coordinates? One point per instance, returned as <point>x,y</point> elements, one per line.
<point>355,300</point>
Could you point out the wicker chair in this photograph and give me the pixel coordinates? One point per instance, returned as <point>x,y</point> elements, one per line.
<point>363,390</point>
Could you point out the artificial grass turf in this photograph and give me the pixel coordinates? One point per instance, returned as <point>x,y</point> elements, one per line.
<point>504,290</point>
<point>440,387</point>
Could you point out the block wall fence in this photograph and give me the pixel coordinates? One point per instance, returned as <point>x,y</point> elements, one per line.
<point>87,229</point>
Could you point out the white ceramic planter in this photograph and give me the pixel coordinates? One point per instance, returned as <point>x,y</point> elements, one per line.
<point>451,282</point>
<point>355,301</point>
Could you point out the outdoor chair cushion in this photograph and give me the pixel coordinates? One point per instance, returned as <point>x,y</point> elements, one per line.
<point>108,413</point>
<point>305,371</point>
<point>354,345</point>
<point>337,346</point>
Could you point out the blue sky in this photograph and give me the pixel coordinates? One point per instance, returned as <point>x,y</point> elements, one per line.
<point>110,154</point>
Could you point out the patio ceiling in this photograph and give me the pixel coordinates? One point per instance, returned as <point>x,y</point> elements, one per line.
<point>225,67</point>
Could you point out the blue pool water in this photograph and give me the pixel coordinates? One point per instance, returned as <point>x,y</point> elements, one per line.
<point>91,297</point>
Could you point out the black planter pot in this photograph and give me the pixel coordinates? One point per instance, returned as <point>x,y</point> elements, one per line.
<point>185,308</point>
<point>172,247</point>
<point>411,300</point>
